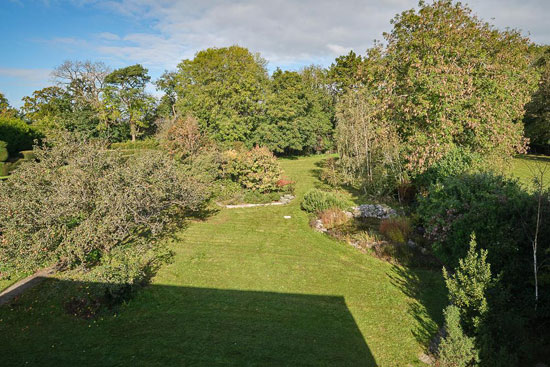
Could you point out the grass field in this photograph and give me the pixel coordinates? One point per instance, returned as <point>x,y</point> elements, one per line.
<point>246,287</point>
<point>526,166</point>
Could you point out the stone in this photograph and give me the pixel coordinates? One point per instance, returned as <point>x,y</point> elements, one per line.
<point>379,211</point>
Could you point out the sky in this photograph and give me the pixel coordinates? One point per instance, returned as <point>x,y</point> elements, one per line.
<point>38,35</point>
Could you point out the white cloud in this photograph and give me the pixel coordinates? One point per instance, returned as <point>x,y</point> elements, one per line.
<point>285,32</point>
<point>29,75</point>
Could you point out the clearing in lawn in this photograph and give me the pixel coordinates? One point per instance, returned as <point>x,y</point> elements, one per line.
<point>246,287</point>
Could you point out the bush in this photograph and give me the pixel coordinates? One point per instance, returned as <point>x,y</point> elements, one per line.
<point>330,173</point>
<point>256,169</point>
<point>491,206</point>
<point>333,217</point>
<point>315,201</point>
<point>90,212</point>
<point>456,349</point>
<point>136,145</point>
<point>3,151</point>
<point>455,163</point>
<point>182,137</point>
<point>396,229</point>
<point>17,134</point>
<point>28,155</point>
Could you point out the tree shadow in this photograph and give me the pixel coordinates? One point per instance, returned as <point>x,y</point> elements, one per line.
<point>427,290</point>
<point>172,326</point>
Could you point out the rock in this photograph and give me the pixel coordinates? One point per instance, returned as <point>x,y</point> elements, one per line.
<point>287,217</point>
<point>411,243</point>
<point>319,226</point>
<point>348,214</point>
<point>379,211</point>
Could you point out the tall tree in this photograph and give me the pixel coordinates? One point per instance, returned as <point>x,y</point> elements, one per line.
<point>5,108</point>
<point>537,114</point>
<point>298,115</point>
<point>344,73</point>
<point>225,89</point>
<point>126,98</point>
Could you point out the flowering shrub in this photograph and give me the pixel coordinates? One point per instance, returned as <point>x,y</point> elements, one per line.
<point>256,169</point>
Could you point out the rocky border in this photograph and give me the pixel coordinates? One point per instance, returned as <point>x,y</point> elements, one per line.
<point>285,199</point>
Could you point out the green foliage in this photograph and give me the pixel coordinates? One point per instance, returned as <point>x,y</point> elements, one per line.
<point>315,201</point>
<point>298,113</point>
<point>149,143</point>
<point>468,286</point>
<point>490,205</point>
<point>224,88</point>
<point>344,73</point>
<point>3,151</point>
<point>76,204</point>
<point>368,145</point>
<point>126,100</point>
<point>456,162</point>
<point>17,134</point>
<point>397,229</point>
<point>444,79</point>
<point>182,137</point>
<point>537,111</point>
<point>456,348</point>
<point>256,169</point>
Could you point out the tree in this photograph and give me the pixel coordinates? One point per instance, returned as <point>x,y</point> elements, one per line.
<point>456,81</point>
<point>344,73</point>
<point>456,349</point>
<point>537,114</point>
<point>126,98</point>
<point>46,109</point>
<point>450,80</point>
<point>225,89</point>
<point>468,287</point>
<point>5,109</point>
<point>298,116</point>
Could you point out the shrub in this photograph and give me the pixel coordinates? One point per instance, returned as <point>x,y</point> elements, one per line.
<point>491,206</point>
<point>456,349</point>
<point>456,162</point>
<point>256,169</point>
<point>4,169</point>
<point>181,137</point>
<point>330,173</point>
<point>3,151</point>
<point>28,155</point>
<point>396,229</point>
<point>333,217</point>
<point>17,134</point>
<point>136,145</point>
<point>91,212</point>
<point>315,201</point>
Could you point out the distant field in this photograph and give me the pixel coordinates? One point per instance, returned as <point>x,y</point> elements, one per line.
<point>525,167</point>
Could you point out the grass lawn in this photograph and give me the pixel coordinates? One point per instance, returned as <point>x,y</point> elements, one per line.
<point>525,167</point>
<point>246,287</point>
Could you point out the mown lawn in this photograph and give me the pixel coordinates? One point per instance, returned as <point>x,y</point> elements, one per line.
<point>525,167</point>
<point>246,287</point>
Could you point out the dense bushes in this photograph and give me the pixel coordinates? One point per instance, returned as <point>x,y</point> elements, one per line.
<point>136,145</point>
<point>17,134</point>
<point>256,169</point>
<point>3,151</point>
<point>397,229</point>
<point>493,207</point>
<point>94,213</point>
<point>315,201</point>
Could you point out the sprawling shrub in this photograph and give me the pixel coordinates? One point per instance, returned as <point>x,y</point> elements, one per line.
<point>82,209</point>
<point>256,169</point>
<point>17,134</point>
<point>397,230</point>
<point>315,201</point>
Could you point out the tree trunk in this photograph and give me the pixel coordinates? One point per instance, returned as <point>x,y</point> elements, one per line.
<point>133,130</point>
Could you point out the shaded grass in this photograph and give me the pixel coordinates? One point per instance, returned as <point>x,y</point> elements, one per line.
<point>246,287</point>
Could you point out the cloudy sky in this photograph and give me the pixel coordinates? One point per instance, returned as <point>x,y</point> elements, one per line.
<point>38,35</point>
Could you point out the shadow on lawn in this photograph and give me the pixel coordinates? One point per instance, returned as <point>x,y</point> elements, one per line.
<point>427,289</point>
<point>177,326</point>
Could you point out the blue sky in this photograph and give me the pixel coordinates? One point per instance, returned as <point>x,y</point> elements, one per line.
<point>39,35</point>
